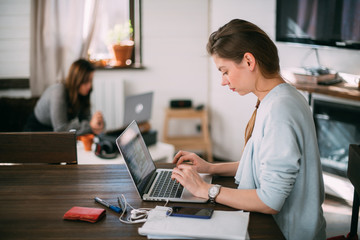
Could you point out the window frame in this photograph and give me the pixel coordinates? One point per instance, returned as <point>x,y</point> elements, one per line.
<point>135,18</point>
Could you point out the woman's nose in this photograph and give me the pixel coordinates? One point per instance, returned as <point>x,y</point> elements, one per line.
<point>224,81</point>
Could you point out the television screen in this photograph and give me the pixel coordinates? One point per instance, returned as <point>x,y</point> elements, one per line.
<point>319,22</point>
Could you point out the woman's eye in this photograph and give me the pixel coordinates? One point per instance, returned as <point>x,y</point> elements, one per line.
<point>224,73</point>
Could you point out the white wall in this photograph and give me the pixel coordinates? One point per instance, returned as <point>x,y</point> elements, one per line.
<point>174,36</point>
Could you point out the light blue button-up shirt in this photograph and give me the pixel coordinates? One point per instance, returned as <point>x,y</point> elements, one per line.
<point>281,161</point>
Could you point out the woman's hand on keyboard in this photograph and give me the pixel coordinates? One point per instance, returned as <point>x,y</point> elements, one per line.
<point>189,178</point>
<point>189,158</point>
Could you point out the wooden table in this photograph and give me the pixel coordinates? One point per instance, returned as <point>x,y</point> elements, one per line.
<point>34,198</point>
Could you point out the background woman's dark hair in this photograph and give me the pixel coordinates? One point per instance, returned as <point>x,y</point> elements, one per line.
<point>237,37</point>
<point>78,74</point>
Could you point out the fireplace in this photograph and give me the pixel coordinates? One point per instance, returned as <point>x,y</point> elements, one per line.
<point>337,124</point>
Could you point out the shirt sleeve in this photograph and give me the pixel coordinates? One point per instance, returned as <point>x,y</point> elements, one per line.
<point>279,163</point>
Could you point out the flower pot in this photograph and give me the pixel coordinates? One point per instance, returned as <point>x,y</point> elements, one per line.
<point>123,53</point>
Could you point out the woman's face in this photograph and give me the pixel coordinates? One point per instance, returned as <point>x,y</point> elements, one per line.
<point>237,76</point>
<point>85,88</point>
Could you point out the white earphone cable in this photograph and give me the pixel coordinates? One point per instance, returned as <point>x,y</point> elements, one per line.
<point>138,215</point>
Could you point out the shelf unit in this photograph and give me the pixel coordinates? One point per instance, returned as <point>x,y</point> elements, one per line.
<point>201,142</point>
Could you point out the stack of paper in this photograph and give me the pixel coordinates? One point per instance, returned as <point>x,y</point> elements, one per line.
<point>222,225</point>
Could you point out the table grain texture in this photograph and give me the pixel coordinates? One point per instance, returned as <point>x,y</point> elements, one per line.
<point>34,198</point>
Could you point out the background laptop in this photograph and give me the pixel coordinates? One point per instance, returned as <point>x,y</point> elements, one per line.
<point>138,108</point>
<point>143,172</point>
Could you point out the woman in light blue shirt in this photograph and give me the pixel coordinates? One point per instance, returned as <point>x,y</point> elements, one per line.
<point>279,172</point>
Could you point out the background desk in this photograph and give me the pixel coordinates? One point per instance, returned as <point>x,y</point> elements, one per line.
<point>34,199</point>
<point>160,152</point>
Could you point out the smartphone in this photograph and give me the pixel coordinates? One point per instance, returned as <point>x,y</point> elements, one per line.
<point>191,212</point>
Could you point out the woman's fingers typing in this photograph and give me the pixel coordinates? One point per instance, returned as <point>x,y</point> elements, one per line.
<point>184,157</point>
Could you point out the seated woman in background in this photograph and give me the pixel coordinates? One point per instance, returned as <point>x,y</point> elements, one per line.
<point>65,106</point>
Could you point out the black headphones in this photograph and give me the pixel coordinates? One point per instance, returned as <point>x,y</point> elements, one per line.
<point>105,149</point>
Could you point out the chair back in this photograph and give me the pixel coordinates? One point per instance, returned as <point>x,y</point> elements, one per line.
<point>354,177</point>
<point>38,147</point>
<point>353,171</point>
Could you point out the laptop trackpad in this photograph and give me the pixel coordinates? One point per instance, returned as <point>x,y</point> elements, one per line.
<point>206,177</point>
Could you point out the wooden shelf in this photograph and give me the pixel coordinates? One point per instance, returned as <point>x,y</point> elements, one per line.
<point>188,142</point>
<point>202,142</point>
<point>341,90</point>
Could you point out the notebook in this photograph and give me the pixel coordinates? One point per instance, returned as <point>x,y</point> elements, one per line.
<point>138,108</point>
<point>222,225</point>
<point>144,174</point>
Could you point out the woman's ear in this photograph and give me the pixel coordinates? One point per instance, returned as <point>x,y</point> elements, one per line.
<point>250,60</point>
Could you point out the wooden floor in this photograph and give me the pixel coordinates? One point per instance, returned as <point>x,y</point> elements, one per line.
<point>337,213</point>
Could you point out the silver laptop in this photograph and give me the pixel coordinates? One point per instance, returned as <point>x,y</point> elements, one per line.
<point>138,108</point>
<point>152,184</point>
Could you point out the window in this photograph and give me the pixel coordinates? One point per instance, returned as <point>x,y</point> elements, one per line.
<point>15,36</point>
<point>117,22</point>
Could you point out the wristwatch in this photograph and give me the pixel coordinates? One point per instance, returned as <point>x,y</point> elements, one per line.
<point>213,192</point>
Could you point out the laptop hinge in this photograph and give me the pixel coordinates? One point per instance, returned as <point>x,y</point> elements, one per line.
<point>150,182</point>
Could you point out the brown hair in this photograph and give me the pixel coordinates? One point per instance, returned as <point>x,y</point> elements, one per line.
<point>79,73</point>
<point>237,37</point>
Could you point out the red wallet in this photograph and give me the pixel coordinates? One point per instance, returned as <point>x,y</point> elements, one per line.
<point>85,214</point>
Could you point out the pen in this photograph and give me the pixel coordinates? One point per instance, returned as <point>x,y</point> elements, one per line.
<point>106,204</point>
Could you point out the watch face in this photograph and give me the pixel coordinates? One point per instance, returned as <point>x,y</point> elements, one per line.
<point>213,191</point>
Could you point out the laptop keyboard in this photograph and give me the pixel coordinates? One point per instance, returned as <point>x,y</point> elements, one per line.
<point>165,187</point>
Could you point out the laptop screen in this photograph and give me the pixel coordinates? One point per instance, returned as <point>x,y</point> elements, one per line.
<point>136,155</point>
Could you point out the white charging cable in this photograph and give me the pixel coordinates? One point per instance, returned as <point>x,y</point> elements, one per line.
<point>138,215</point>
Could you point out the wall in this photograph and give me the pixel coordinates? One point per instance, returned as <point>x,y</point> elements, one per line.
<point>175,34</point>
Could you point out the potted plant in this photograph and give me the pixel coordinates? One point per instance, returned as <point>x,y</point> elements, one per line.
<point>120,39</point>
